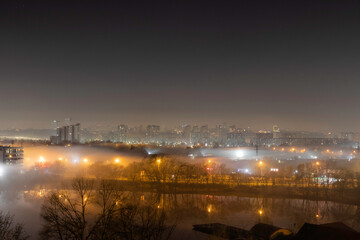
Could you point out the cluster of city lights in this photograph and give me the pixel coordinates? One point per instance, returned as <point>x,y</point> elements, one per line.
<point>42,161</point>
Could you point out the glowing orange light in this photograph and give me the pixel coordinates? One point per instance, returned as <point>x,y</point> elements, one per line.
<point>41,192</point>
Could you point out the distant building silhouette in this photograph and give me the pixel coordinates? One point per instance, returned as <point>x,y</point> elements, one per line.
<point>123,131</point>
<point>66,134</point>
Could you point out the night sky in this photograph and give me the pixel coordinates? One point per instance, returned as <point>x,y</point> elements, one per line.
<point>250,63</point>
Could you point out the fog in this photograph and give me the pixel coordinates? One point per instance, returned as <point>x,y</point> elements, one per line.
<point>51,164</point>
<point>75,155</point>
<point>23,187</point>
<point>48,166</point>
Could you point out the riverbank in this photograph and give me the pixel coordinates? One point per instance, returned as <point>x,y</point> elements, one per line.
<point>346,196</point>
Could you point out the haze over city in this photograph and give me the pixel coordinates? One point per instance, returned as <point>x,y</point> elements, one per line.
<point>250,63</point>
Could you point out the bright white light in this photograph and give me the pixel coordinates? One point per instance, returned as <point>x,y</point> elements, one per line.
<point>239,153</point>
<point>2,171</point>
<point>41,159</point>
<point>242,170</point>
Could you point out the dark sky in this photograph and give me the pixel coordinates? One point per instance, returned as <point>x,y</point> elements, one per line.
<point>251,63</point>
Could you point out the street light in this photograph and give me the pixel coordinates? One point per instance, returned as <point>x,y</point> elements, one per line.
<point>117,160</point>
<point>260,166</point>
<point>41,159</point>
<point>317,172</point>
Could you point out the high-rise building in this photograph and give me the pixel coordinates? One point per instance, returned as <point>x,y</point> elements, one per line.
<point>67,134</point>
<point>152,132</point>
<point>276,131</point>
<point>122,132</point>
<point>75,133</point>
<point>11,155</point>
<point>187,134</point>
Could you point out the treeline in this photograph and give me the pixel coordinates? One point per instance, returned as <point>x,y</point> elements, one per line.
<point>170,170</point>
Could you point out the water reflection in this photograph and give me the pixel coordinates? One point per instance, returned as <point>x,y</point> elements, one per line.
<point>189,209</point>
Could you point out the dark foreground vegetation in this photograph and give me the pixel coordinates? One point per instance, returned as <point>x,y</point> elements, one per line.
<point>100,210</point>
<point>9,230</point>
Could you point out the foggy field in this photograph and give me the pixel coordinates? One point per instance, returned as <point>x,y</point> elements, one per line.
<point>50,166</point>
<point>200,197</point>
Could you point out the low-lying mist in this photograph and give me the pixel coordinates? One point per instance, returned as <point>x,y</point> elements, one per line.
<point>49,165</point>
<point>73,155</point>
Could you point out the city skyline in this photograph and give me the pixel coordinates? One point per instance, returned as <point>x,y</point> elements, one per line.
<point>171,63</point>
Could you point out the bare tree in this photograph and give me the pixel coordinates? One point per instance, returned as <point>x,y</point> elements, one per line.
<point>10,230</point>
<point>65,214</point>
<point>107,214</point>
<point>108,199</point>
<point>132,171</point>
